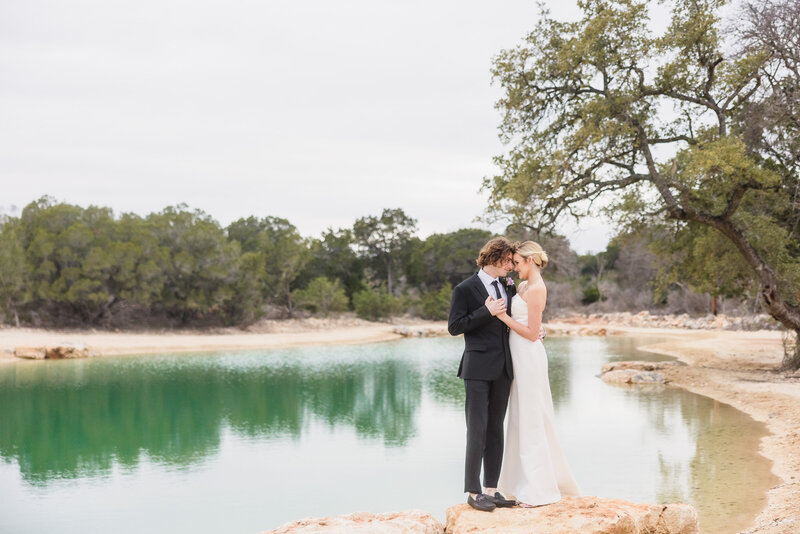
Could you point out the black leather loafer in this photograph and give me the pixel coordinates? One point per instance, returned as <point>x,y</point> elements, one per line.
<point>502,502</point>
<point>481,502</point>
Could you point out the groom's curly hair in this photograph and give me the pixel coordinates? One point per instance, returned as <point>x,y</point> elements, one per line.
<point>497,249</point>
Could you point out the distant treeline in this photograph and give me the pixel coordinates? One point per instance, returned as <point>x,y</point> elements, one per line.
<point>64,265</point>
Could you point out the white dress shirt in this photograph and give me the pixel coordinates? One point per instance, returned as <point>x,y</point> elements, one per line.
<point>487,282</point>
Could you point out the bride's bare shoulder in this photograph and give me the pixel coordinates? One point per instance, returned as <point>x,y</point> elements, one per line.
<point>535,294</point>
<point>529,290</point>
<point>536,287</point>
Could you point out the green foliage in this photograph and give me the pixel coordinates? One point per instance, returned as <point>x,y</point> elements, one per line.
<point>12,271</point>
<point>384,239</point>
<point>322,295</point>
<point>704,260</point>
<point>374,304</point>
<point>67,265</point>
<point>448,258</point>
<point>591,293</point>
<point>283,251</point>
<point>84,261</point>
<point>201,267</point>
<point>248,305</point>
<point>436,305</point>
<point>333,256</point>
<point>663,127</point>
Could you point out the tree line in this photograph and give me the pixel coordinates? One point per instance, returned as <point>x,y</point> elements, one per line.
<point>65,265</point>
<point>62,264</point>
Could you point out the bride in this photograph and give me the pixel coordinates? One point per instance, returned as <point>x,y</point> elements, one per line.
<point>534,468</point>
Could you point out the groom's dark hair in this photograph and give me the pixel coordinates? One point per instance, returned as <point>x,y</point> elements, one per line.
<point>494,251</point>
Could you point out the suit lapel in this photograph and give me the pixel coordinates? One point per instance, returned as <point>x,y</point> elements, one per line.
<point>479,289</point>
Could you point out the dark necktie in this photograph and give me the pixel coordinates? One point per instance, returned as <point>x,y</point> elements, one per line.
<point>497,290</point>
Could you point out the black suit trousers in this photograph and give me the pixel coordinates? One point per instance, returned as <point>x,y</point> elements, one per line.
<point>485,411</point>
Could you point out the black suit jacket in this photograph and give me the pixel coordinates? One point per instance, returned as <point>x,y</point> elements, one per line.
<point>486,352</point>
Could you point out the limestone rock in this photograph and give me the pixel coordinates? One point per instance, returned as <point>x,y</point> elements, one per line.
<point>577,515</point>
<point>412,521</point>
<point>30,353</point>
<point>420,331</point>
<point>633,376</point>
<point>67,351</point>
<point>562,330</point>
<point>640,365</point>
<point>645,319</point>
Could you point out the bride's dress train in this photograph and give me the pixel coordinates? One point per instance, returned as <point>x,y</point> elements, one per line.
<point>534,469</point>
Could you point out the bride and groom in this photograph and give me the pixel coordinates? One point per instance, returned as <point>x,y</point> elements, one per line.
<point>504,365</point>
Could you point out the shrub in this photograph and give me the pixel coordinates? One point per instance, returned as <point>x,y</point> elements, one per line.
<point>321,295</point>
<point>436,306</point>
<point>591,294</point>
<point>372,305</point>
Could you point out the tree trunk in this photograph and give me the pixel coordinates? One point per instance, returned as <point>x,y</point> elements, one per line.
<point>16,317</point>
<point>774,304</point>
<point>389,275</point>
<point>791,355</point>
<point>289,307</point>
<point>713,305</point>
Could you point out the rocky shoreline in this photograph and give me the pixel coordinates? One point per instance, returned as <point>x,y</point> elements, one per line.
<point>740,369</point>
<point>571,515</point>
<point>644,319</point>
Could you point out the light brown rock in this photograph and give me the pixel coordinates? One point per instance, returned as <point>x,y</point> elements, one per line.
<point>420,331</point>
<point>639,365</point>
<point>412,521</point>
<point>66,351</point>
<point>632,376</point>
<point>30,353</point>
<point>577,515</point>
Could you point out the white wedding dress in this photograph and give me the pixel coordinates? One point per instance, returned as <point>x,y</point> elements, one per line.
<point>534,469</point>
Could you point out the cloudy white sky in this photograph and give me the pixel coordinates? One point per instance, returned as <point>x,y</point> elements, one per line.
<point>316,111</point>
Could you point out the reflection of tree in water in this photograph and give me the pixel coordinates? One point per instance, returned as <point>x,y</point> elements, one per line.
<point>558,370</point>
<point>447,388</point>
<point>379,399</point>
<point>78,418</point>
<point>67,425</point>
<point>443,384</point>
<point>725,479</point>
<point>729,437</point>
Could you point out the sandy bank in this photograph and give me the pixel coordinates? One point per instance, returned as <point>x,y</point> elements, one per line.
<point>127,343</point>
<point>739,368</point>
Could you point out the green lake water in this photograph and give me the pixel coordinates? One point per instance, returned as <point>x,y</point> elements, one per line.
<point>241,442</point>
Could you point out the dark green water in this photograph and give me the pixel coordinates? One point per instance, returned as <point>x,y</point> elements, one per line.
<point>242,442</point>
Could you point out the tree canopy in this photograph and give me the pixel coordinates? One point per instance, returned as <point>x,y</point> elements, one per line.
<point>696,124</point>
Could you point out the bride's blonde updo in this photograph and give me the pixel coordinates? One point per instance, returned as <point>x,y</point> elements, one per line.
<point>530,249</point>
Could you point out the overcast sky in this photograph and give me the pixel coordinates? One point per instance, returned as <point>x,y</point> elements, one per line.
<point>316,111</point>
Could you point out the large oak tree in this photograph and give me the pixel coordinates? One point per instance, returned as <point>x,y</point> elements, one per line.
<point>687,125</point>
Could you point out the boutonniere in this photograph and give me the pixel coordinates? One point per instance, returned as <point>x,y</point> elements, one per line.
<point>508,281</point>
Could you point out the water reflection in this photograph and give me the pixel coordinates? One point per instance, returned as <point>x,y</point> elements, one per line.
<point>84,419</point>
<point>70,419</point>
<point>444,386</point>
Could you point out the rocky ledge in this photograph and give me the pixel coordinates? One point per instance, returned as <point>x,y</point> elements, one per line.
<point>636,372</point>
<point>413,522</point>
<point>643,319</point>
<point>576,515</point>
<point>572,515</point>
<point>59,352</point>
<point>420,331</point>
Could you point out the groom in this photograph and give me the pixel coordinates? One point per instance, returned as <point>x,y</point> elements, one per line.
<point>485,367</point>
